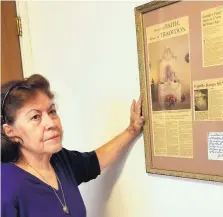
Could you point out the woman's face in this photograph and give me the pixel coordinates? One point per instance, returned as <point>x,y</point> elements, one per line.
<point>39,126</point>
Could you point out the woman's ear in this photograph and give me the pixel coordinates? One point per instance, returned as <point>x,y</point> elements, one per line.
<point>8,130</point>
<point>10,133</point>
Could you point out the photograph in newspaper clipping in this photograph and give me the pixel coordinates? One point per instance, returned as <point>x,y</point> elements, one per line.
<point>170,82</point>
<point>208,99</point>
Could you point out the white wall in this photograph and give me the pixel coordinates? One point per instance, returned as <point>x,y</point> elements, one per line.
<point>88,52</point>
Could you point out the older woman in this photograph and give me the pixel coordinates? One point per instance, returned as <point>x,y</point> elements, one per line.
<point>39,177</point>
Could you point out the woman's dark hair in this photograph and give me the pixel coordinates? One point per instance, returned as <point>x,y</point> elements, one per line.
<point>14,94</point>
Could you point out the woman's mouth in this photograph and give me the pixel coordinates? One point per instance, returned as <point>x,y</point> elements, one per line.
<point>53,138</point>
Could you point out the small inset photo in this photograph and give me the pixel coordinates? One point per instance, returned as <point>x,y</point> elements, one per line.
<point>201,100</point>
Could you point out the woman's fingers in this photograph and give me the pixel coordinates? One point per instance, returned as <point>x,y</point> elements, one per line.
<point>138,106</point>
<point>133,106</point>
<point>140,120</point>
<point>136,120</point>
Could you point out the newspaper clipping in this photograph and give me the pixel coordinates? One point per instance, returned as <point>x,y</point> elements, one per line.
<point>212,36</point>
<point>215,146</point>
<point>208,99</point>
<point>170,82</point>
<point>172,133</point>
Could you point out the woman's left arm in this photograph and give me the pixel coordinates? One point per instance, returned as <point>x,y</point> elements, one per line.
<point>110,151</point>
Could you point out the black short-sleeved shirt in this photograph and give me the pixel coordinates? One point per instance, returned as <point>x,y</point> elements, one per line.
<point>83,166</point>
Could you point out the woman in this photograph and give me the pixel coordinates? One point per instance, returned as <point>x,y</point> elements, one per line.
<point>39,177</point>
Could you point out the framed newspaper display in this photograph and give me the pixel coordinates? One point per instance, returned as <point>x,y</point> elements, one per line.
<point>180,58</point>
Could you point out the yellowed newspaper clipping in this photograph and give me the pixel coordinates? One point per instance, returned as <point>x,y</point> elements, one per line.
<point>166,30</point>
<point>212,36</point>
<point>170,82</point>
<point>208,99</point>
<point>172,133</point>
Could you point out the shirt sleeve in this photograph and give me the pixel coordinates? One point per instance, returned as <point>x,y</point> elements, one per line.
<point>84,165</point>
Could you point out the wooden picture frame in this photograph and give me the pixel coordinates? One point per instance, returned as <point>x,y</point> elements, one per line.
<point>182,136</point>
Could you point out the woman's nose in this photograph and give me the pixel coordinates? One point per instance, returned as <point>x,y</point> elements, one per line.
<point>49,122</point>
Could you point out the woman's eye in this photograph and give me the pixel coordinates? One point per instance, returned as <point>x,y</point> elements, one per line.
<point>36,117</point>
<point>53,112</point>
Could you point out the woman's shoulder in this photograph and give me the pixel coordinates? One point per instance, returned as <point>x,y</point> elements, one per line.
<point>83,166</point>
<point>65,155</point>
<point>74,158</point>
<point>10,175</point>
<point>11,182</point>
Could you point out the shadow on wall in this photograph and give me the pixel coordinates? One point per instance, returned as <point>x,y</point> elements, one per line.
<point>96,195</point>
